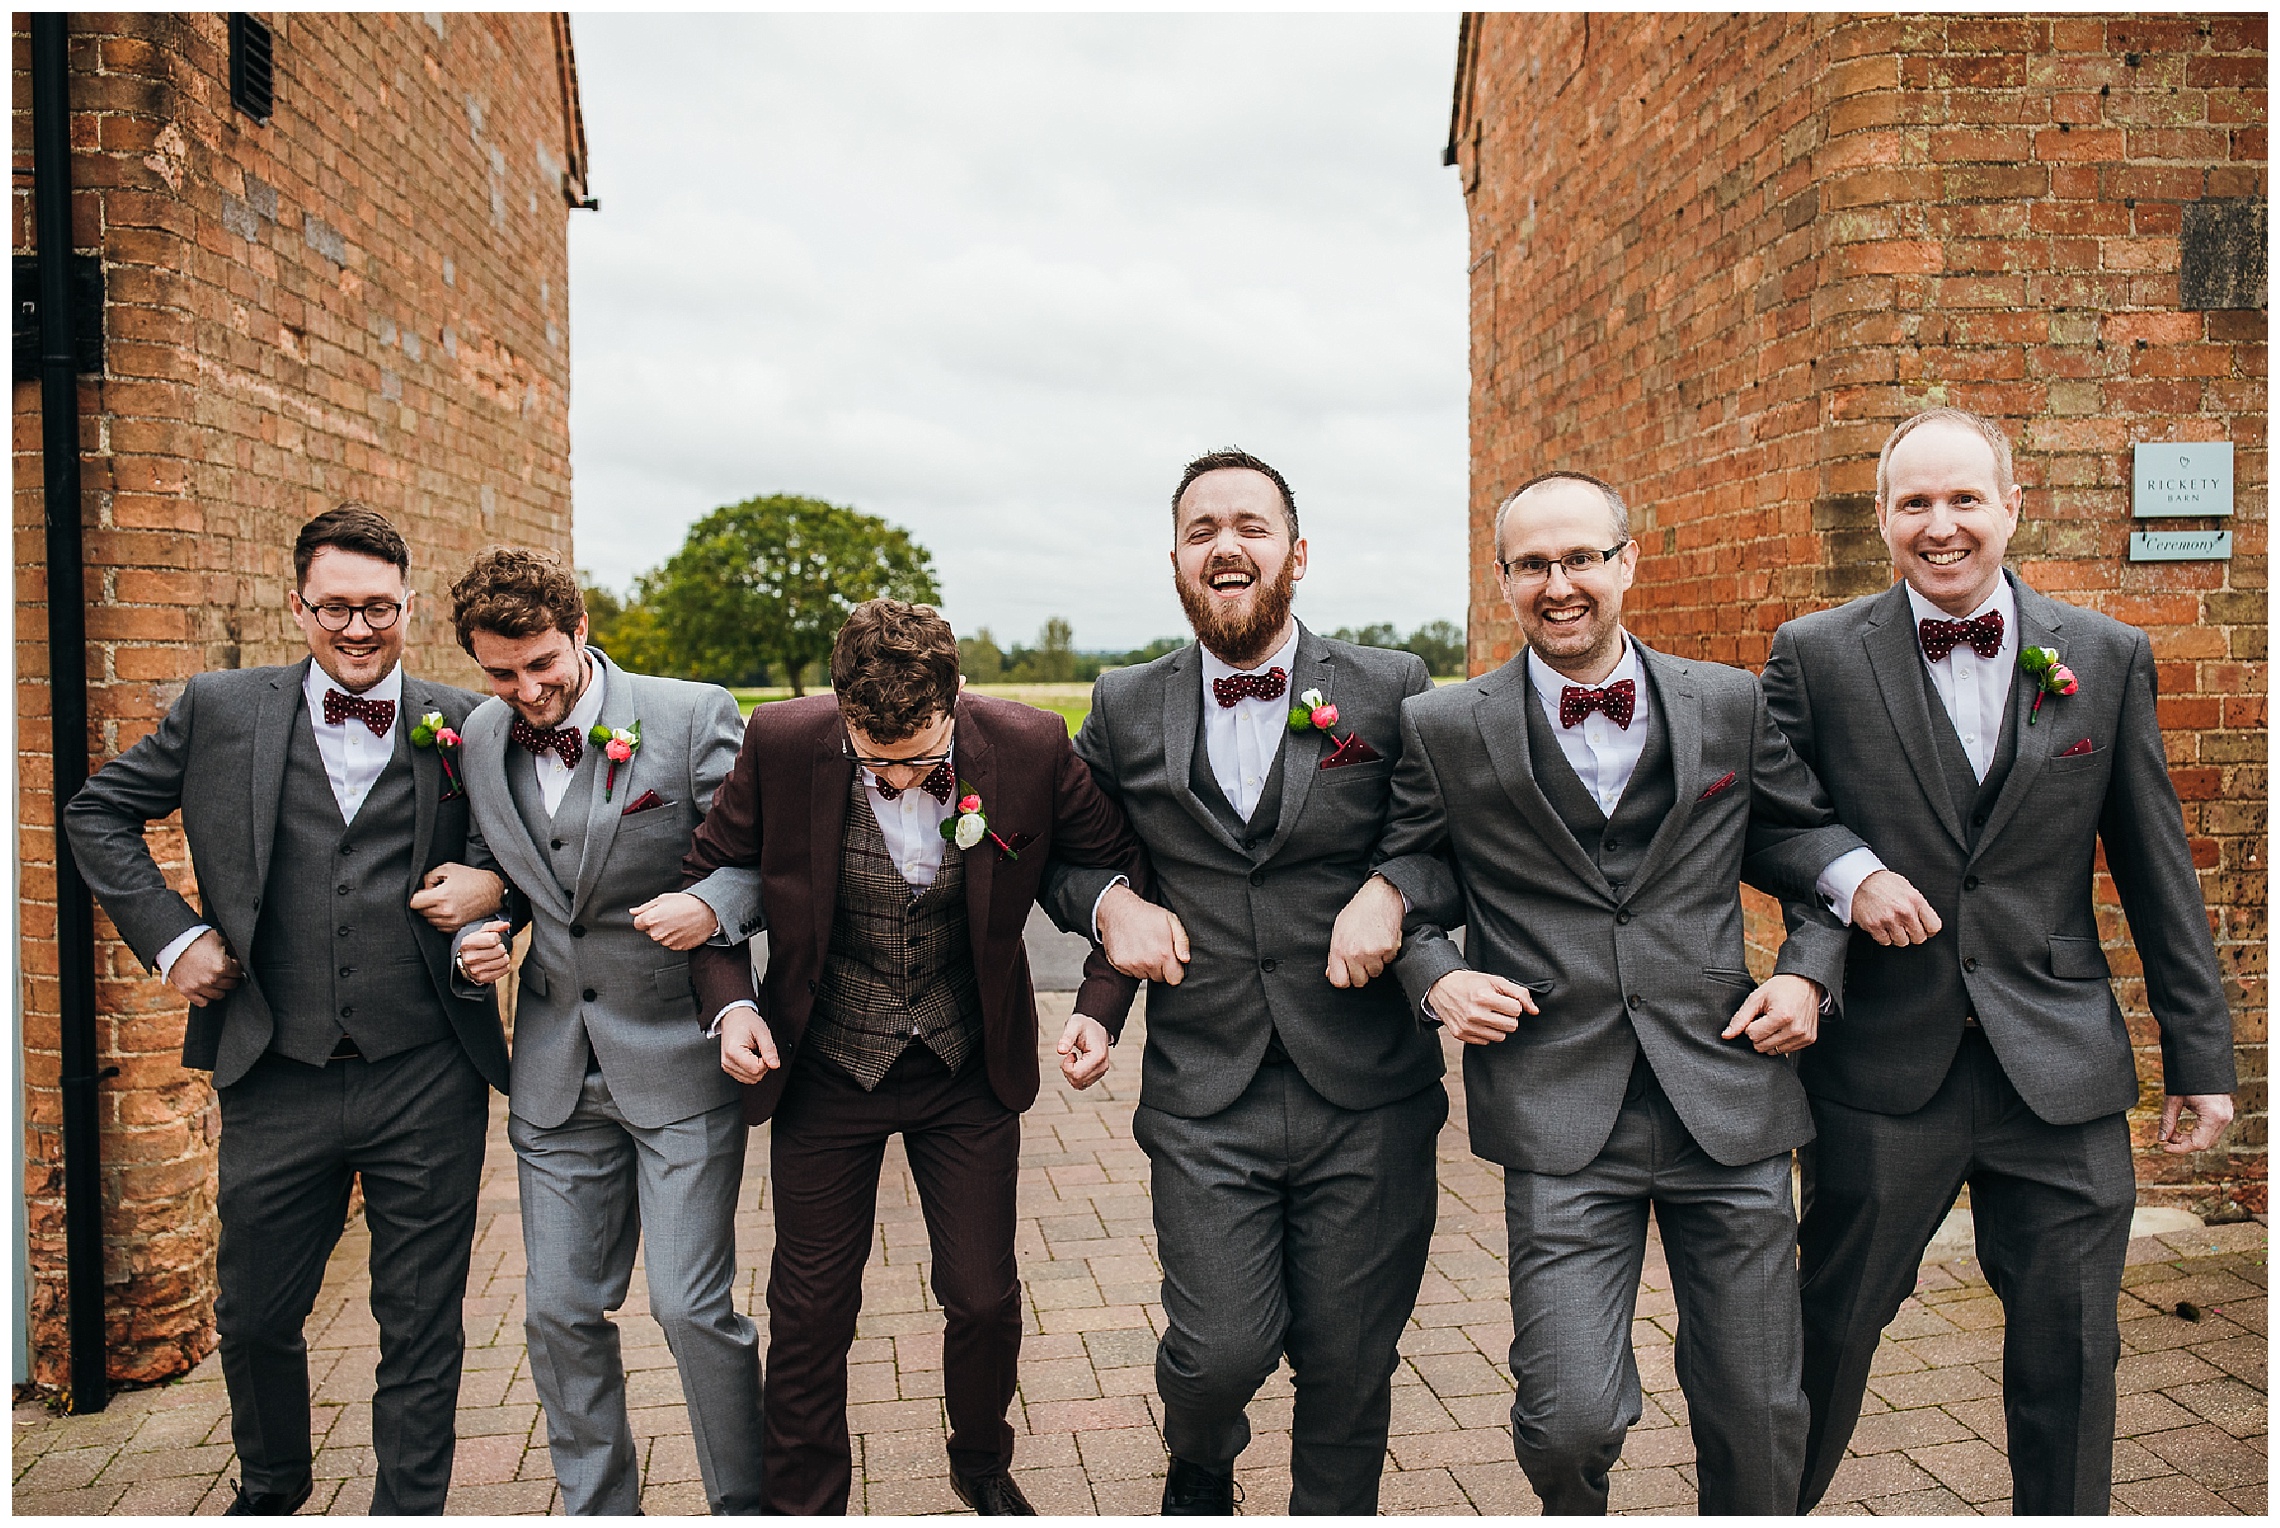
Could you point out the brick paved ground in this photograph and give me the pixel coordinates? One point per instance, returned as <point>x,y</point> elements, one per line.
<point>2192,1412</point>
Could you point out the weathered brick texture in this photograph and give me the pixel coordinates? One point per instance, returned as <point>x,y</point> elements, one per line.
<point>364,298</point>
<point>1715,258</point>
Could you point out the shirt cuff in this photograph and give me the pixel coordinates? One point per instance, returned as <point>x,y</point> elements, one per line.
<point>714,1032</point>
<point>1842,878</point>
<point>1104,891</point>
<point>180,942</point>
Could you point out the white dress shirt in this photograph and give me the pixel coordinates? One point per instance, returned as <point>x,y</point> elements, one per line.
<point>353,759</point>
<point>1975,690</point>
<point>1244,739</point>
<point>912,825</point>
<point>554,775</point>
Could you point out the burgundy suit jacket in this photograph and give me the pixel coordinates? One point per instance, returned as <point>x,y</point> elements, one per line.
<point>784,807</point>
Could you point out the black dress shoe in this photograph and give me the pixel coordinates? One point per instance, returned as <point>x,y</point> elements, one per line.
<point>1190,1490</point>
<point>268,1503</point>
<point>991,1495</point>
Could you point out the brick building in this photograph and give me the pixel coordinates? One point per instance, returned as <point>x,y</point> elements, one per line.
<point>1715,257</point>
<point>356,289</point>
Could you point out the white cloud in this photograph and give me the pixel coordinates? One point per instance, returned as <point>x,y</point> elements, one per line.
<point>998,278</point>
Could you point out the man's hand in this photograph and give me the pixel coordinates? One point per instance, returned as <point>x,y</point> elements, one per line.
<point>453,895</point>
<point>747,1049</point>
<point>2211,1113</point>
<point>1140,938</point>
<point>1890,910</point>
<point>1367,934</point>
<point>207,970</point>
<point>678,920</point>
<point>1781,1016</point>
<point>1478,1008</point>
<point>484,956</point>
<point>1084,1051</point>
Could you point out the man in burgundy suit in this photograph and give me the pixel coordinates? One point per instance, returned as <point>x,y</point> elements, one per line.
<point>901,831</point>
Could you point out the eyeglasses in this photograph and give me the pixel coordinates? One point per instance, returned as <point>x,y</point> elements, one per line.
<point>333,615</point>
<point>921,761</point>
<point>1534,570</point>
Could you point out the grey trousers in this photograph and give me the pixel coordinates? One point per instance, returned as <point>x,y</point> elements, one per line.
<point>1577,1245</point>
<point>592,1187</point>
<point>1287,1225</point>
<point>294,1139</point>
<point>2052,1204</point>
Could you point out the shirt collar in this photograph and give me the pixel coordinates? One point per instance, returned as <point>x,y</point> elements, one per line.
<point>1215,667</point>
<point>588,710</point>
<point>1548,681</point>
<point>2001,601</point>
<point>313,687</point>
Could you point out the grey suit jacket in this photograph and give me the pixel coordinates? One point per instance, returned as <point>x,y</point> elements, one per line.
<point>591,976</point>
<point>1258,907</point>
<point>220,758</point>
<point>2020,944</point>
<point>1659,960</point>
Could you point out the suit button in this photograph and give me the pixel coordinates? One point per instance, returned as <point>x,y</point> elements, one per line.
<point>1979,819</point>
<point>348,1010</point>
<point>811,988</point>
<point>348,848</point>
<point>1971,883</point>
<point>1267,965</point>
<point>557,843</point>
<point>590,994</point>
<point>577,930</point>
<point>344,931</point>
<point>1635,1002</point>
<point>1609,844</point>
<point>1250,843</point>
<point>1623,915</point>
<point>1971,962</point>
<point>344,888</point>
<point>1258,878</point>
<point>348,970</point>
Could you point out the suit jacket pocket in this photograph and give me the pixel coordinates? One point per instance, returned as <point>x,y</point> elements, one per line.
<point>1741,979</point>
<point>2060,764</point>
<point>2073,958</point>
<point>533,979</point>
<point>1376,771</point>
<point>673,985</point>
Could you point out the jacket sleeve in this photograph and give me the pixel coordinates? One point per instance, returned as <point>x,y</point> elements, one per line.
<point>1794,834</point>
<point>1090,831</point>
<point>2143,830</point>
<point>1413,855</point>
<point>1070,890</point>
<point>105,821</point>
<point>716,731</point>
<point>729,836</point>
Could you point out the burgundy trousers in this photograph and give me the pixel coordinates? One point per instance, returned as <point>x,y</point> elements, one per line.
<point>829,1137</point>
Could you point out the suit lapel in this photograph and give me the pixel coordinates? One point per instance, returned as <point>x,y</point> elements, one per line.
<point>427,775</point>
<point>621,707</point>
<point>272,735</point>
<point>829,776</point>
<point>1311,669</point>
<point>2042,623</point>
<point>975,764</point>
<point>1893,659</point>
<point>484,757</point>
<point>1681,709</point>
<point>1183,716</point>
<point>1504,731</point>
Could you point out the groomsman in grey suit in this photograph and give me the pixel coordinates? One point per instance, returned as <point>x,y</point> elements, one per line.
<point>1986,740</point>
<point>327,847</point>
<point>1600,801</point>
<point>1289,1112</point>
<point>625,1129</point>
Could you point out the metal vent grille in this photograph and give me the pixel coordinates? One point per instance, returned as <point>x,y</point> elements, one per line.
<point>252,71</point>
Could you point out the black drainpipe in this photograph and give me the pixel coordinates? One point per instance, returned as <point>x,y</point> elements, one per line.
<point>67,705</point>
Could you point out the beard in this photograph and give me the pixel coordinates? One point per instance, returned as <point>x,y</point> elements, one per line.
<point>1238,638</point>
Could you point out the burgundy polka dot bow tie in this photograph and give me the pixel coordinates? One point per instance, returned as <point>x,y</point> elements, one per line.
<point>1618,700</point>
<point>379,715</point>
<point>939,783</point>
<point>1267,686</point>
<point>1984,635</point>
<point>562,741</point>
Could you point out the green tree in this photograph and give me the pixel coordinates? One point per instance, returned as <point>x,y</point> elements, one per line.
<point>768,582</point>
<point>1441,644</point>
<point>980,659</point>
<point>1052,661</point>
<point>1376,634</point>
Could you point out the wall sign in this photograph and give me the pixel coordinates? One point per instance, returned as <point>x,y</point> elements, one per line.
<point>2181,546</point>
<point>2188,477</point>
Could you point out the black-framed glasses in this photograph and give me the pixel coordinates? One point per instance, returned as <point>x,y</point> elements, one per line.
<point>334,615</point>
<point>921,761</point>
<point>1534,570</point>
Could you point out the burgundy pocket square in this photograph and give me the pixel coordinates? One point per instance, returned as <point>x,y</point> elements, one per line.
<point>1724,782</point>
<point>2078,750</point>
<point>643,803</point>
<point>1352,749</point>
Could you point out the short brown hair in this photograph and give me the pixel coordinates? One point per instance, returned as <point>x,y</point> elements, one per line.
<point>1998,441</point>
<point>895,668</point>
<point>1235,458</point>
<point>512,591</point>
<point>352,527</point>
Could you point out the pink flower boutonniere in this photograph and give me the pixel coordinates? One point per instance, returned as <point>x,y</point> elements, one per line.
<point>432,731</point>
<point>967,825</point>
<point>618,745</point>
<point>1313,713</point>
<point>2051,677</point>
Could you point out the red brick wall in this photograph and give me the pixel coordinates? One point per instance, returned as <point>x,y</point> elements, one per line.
<point>1715,258</point>
<point>365,298</point>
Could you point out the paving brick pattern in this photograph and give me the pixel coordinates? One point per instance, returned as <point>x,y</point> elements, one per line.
<point>2192,1410</point>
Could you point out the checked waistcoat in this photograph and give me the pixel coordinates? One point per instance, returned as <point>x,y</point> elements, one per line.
<point>899,966</point>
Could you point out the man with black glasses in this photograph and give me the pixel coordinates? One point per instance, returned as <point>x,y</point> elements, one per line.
<point>327,846</point>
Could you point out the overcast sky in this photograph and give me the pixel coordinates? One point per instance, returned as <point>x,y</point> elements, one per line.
<point>997,278</point>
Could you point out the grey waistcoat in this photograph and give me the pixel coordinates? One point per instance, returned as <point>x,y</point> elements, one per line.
<point>334,950</point>
<point>1619,843</point>
<point>561,836</point>
<point>1974,798</point>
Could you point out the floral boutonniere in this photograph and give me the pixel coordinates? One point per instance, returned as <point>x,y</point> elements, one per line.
<point>1313,711</point>
<point>432,731</point>
<point>1315,714</point>
<point>2051,677</point>
<point>617,745</point>
<point>967,825</point>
